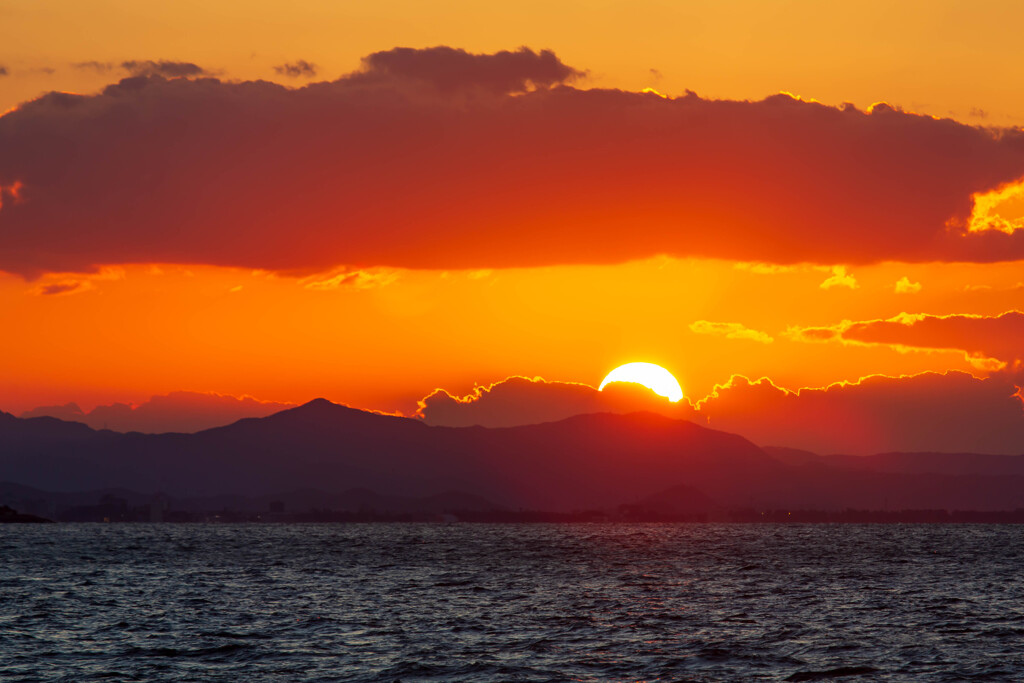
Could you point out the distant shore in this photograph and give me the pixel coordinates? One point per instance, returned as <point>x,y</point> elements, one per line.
<point>11,516</point>
<point>622,516</point>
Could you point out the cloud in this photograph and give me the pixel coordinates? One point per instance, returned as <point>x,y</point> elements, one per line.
<point>521,400</point>
<point>815,334</point>
<point>11,193</point>
<point>146,67</point>
<point>937,412</point>
<point>989,343</point>
<point>355,279</point>
<point>989,288</point>
<point>989,205</point>
<point>730,331</point>
<point>449,69</point>
<point>296,69</point>
<point>93,65</point>
<point>948,412</point>
<point>1000,336</point>
<point>905,286</point>
<point>767,268</point>
<point>444,159</point>
<point>840,278</point>
<point>164,68</point>
<point>69,411</point>
<point>179,411</point>
<point>59,284</point>
<point>64,287</point>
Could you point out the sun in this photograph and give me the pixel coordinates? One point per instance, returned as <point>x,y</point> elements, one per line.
<point>654,377</point>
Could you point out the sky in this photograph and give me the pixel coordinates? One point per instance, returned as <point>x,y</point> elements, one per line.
<point>811,213</point>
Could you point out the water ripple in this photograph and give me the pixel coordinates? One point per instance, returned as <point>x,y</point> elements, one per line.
<point>511,603</point>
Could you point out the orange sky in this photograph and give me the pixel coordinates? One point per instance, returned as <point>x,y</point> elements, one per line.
<point>941,57</point>
<point>429,223</point>
<point>137,331</point>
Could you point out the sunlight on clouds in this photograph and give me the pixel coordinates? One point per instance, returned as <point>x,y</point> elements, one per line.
<point>983,363</point>
<point>355,279</point>
<point>56,284</point>
<point>766,268</point>
<point>816,335</point>
<point>905,286</point>
<point>1001,209</point>
<point>840,278</point>
<point>730,331</point>
<point>798,98</point>
<point>565,323</point>
<point>986,342</point>
<point>12,191</point>
<point>62,287</point>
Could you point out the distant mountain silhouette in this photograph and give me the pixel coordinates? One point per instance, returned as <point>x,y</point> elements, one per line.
<point>299,500</point>
<point>11,516</point>
<point>584,462</point>
<point>908,463</point>
<point>38,431</point>
<point>678,500</point>
<point>178,411</point>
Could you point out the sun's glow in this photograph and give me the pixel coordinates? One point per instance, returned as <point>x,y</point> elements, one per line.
<point>654,377</point>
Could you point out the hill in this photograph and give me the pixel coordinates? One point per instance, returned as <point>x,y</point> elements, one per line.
<point>592,461</point>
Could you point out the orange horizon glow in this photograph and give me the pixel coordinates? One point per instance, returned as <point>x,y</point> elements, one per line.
<point>203,328</point>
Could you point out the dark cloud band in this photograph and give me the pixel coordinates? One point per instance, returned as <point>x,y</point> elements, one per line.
<point>444,159</point>
<point>942,412</point>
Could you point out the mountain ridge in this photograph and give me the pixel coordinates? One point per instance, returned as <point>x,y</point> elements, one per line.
<point>584,461</point>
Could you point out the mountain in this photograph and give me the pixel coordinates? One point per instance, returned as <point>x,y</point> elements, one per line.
<point>58,504</point>
<point>906,463</point>
<point>11,516</point>
<point>38,432</point>
<point>677,501</point>
<point>178,411</point>
<point>592,461</point>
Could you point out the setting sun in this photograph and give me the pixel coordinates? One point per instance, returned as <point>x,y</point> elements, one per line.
<point>654,377</point>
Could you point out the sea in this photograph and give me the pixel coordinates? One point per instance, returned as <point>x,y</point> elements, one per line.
<point>531,602</point>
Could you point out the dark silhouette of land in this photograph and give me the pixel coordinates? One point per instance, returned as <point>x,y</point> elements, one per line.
<point>9,515</point>
<point>342,461</point>
<point>360,505</point>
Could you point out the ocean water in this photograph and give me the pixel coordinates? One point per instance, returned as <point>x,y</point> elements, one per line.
<point>464,602</point>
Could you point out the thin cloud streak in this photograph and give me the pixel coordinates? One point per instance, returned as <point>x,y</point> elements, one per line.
<point>982,338</point>
<point>300,68</point>
<point>730,331</point>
